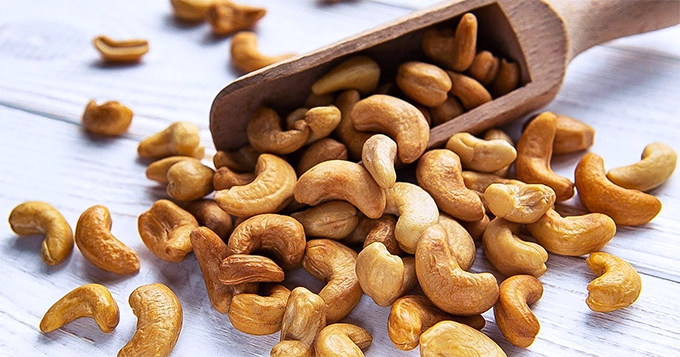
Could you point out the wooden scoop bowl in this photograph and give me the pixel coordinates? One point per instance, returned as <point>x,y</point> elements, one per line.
<point>542,36</point>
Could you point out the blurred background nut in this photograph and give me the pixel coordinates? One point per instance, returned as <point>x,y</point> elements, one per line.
<point>165,230</point>
<point>446,111</point>
<point>261,313</point>
<point>655,167</point>
<point>507,78</point>
<point>266,135</point>
<point>510,254</point>
<point>358,72</point>
<point>425,83</point>
<point>518,202</point>
<point>226,17</point>
<point>210,250</point>
<point>243,159</point>
<point>120,51</point>
<point>342,340</point>
<point>89,300</point>
<point>245,55</point>
<point>416,210</point>
<point>191,10</point>
<point>158,170</point>
<point>617,285</point>
<point>450,338</point>
<point>302,321</point>
<point>109,119</point>
<point>383,276</point>
<point>334,220</point>
<point>484,67</point>
<point>470,92</point>
<point>455,50</point>
<point>35,217</point>
<point>513,316</point>
<point>572,135</point>
<point>180,138</point>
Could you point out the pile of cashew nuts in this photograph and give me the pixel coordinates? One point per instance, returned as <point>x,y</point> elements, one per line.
<point>401,226</point>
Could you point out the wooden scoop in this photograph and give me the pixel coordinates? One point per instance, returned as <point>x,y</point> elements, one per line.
<point>542,36</point>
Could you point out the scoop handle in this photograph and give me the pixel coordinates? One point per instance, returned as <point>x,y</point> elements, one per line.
<point>592,22</point>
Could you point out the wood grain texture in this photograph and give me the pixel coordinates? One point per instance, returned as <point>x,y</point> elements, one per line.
<point>627,90</point>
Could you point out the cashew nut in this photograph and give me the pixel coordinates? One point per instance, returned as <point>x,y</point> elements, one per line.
<point>341,180</point>
<point>476,229</point>
<point>481,155</point>
<point>243,159</point>
<point>370,230</point>
<point>191,10</point>
<point>425,83</point>
<point>303,319</point>
<point>158,170</point>
<point>573,236</point>
<point>497,134</point>
<point>266,135</point>
<point>180,138</point>
<point>484,67</point>
<point>244,268</point>
<point>346,132</point>
<point>656,166</point>
<point>507,78</point>
<point>90,300</point>
<point>378,156</point>
<point>95,241</point>
<point>209,214</point>
<point>470,92</point>
<point>334,220</point>
<point>617,286</point>
<point>447,285</point>
<point>439,173</point>
<point>572,135</point>
<point>479,182</point>
<point>109,119</point>
<point>342,340</point>
<point>398,119</point>
<point>189,180</point>
<point>459,240</point>
<point>224,178</point>
<point>165,230</point>
<point>511,255</point>
<point>513,316</point>
<point>454,50</point>
<point>334,263</point>
<point>120,51</point>
<point>226,17</point>
<point>159,321</point>
<point>210,250</point>
<point>383,276</point>
<point>283,236</point>
<point>412,314</point>
<point>259,314</point>
<point>450,338</point>
<point>322,150</point>
<point>321,121</point>
<point>35,217</point>
<point>245,55</point>
<point>626,207</point>
<point>534,150</point>
<point>416,211</point>
<point>270,191</point>
<point>448,110</point>
<point>359,72</point>
<point>520,203</point>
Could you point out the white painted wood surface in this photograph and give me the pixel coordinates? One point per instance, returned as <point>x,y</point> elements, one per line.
<point>628,90</point>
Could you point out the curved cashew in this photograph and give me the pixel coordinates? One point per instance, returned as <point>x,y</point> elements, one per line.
<point>626,207</point>
<point>322,150</point>
<point>159,321</point>
<point>342,340</point>
<point>479,182</point>
<point>656,166</point>
<point>109,119</point>
<point>165,230</point>
<point>448,286</point>
<point>398,119</point>
<point>534,150</point>
<point>572,135</point>
<point>209,214</point>
<point>359,72</point>
<point>450,338</point>
<point>484,67</point>
<point>573,236</point>
<point>226,17</point>
<point>247,57</point>
<point>425,83</point>
<point>180,138</point>
<point>378,156</point>
<point>370,230</point>
<point>189,180</point>
<point>120,51</point>
<point>507,78</point>
<point>618,284</point>
<point>35,217</point>
<point>511,255</point>
<point>224,178</point>
<point>520,203</point>
<point>341,180</point>
<point>481,155</point>
<point>243,159</point>
<point>460,241</point>
<point>244,268</point>
<point>303,319</point>
<point>334,220</point>
<point>334,263</point>
<point>270,191</point>
<point>158,170</point>
<point>97,244</point>
<point>266,135</point>
<point>440,174</point>
<point>497,134</point>
<point>470,92</point>
<point>412,314</point>
<point>322,121</point>
<point>210,250</point>
<point>454,50</point>
<point>283,236</point>
<point>348,134</point>
<point>191,10</point>
<point>513,316</point>
<point>90,300</point>
<point>383,276</point>
<point>448,110</point>
<point>259,314</point>
<point>416,211</point>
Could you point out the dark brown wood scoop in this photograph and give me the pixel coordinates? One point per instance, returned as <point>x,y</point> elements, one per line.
<point>541,36</point>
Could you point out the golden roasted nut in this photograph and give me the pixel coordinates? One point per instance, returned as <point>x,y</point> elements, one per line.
<point>158,170</point>
<point>497,134</point>
<point>322,150</point>
<point>109,119</point>
<point>572,135</point>
<point>513,316</point>
<point>484,67</point>
<point>90,300</point>
<point>180,138</point>
<point>370,230</point>
<point>358,72</point>
<point>507,79</point>
<point>120,51</point>
<point>470,92</point>
<point>454,50</point>
<point>243,159</point>
<point>266,135</point>
<point>189,180</point>
<point>35,217</point>
<point>342,340</point>
<point>425,83</point>
<point>518,202</point>
<point>481,155</point>
<point>210,215</point>
<point>224,178</point>
<point>416,211</point>
<point>509,254</point>
<point>226,17</point>
<point>303,319</point>
<point>617,286</point>
<point>346,132</point>
<point>334,220</point>
<point>459,240</point>
<point>448,110</point>
<point>383,276</point>
<point>165,230</point>
<point>245,55</point>
<point>191,10</point>
<point>656,167</point>
<point>378,157</point>
<point>210,250</point>
<point>259,314</point>
<point>450,338</point>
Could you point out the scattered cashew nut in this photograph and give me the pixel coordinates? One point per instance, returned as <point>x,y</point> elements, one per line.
<point>460,241</point>
<point>450,338</point>
<point>378,157</point>
<point>513,316</point>
<point>342,340</point>
<point>226,17</point>
<point>109,119</point>
<point>180,138</point>
<point>481,155</point>
<point>259,314</point>
<point>243,159</point>
<point>334,220</point>
<point>303,319</point>
<point>383,276</point>
<point>89,300</point>
<point>322,150</point>
<point>35,217</point>
<point>656,166</point>
<point>158,170</point>
<point>518,202</point>
<point>246,56</point>
<point>120,51</point>
<point>470,92</point>
<point>416,210</point>
<point>189,180</point>
<point>511,255</point>
<point>224,178</point>
<point>425,83</point>
<point>245,268</point>
<point>572,135</point>
<point>266,135</point>
<point>617,286</point>
<point>165,230</point>
<point>210,250</point>
<point>346,132</point>
<point>210,215</point>
<point>358,72</point>
<point>191,10</point>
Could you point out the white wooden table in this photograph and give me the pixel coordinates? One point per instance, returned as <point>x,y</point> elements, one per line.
<point>628,90</point>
